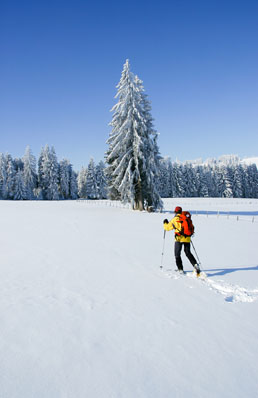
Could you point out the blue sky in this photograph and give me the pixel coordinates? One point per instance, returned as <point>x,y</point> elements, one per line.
<point>61,62</point>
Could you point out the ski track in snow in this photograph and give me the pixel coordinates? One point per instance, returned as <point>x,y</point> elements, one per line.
<point>232,293</point>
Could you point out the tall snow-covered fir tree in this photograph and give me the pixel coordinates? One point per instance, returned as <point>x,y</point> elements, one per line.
<point>132,156</point>
<point>152,156</point>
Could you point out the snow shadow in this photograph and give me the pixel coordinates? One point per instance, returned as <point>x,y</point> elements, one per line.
<point>225,271</point>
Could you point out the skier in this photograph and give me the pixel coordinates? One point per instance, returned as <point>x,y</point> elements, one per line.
<point>181,240</point>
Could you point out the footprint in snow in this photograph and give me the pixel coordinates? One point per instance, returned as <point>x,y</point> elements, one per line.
<point>232,293</point>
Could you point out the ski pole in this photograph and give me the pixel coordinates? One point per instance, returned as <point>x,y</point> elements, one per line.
<point>162,255</point>
<point>199,262</point>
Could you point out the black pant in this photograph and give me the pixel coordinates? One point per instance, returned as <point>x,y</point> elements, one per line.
<point>187,249</point>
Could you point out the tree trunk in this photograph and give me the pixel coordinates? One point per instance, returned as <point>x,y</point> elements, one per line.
<point>138,196</point>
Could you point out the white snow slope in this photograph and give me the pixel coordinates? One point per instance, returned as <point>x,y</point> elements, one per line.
<point>86,312</point>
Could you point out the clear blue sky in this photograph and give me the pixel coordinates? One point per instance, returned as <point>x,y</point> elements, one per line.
<point>61,61</point>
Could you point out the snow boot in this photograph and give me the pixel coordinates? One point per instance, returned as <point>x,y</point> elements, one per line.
<point>180,271</point>
<point>197,269</point>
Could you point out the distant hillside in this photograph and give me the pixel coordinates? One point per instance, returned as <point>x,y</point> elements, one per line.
<point>224,159</point>
<point>249,161</point>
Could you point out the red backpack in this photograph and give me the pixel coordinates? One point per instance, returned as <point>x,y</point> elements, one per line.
<point>187,228</point>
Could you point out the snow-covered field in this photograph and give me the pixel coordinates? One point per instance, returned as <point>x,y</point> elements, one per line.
<point>86,312</point>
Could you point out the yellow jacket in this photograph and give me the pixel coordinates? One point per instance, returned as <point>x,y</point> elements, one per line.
<point>176,225</point>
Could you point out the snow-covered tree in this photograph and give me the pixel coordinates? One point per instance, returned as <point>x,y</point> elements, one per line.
<point>131,154</point>
<point>10,176</point>
<point>237,178</point>
<point>20,192</point>
<point>48,173</point>
<point>18,164</point>
<point>101,181</point>
<point>64,178</point>
<point>73,186</point>
<point>226,172</point>
<point>91,182</point>
<point>3,177</point>
<point>201,182</point>
<point>252,175</point>
<point>152,156</point>
<point>189,180</point>
<point>29,173</point>
<point>82,177</point>
<point>222,182</point>
<point>179,184</point>
<point>163,183</point>
<point>209,179</point>
<point>40,169</point>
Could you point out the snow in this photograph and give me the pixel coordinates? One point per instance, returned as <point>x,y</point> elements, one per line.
<point>249,161</point>
<point>237,206</point>
<point>224,160</point>
<point>85,310</point>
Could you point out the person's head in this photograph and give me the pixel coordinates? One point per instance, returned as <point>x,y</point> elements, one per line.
<point>178,210</point>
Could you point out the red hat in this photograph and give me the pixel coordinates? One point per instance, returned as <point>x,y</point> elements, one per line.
<point>178,209</point>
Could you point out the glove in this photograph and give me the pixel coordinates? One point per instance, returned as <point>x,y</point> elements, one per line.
<point>165,221</point>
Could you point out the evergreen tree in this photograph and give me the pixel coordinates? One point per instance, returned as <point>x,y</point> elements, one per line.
<point>151,169</point>
<point>228,193</point>
<point>73,186</point>
<point>213,181</point>
<point>223,182</point>
<point>252,175</point>
<point>91,182</point>
<point>82,177</point>
<point>101,181</point>
<point>201,182</point>
<point>130,157</point>
<point>48,174</point>
<point>29,173</point>
<point>18,164</point>
<point>164,187</point>
<point>189,181</point>
<point>171,181</point>
<point>64,179</point>
<point>40,170</point>
<point>20,192</point>
<point>237,178</point>
<point>179,187</point>
<point>10,176</point>
<point>3,177</point>
<point>209,177</point>
<point>245,182</point>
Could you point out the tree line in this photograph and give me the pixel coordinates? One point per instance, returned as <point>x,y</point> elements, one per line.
<point>26,179</point>
<point>133,172</point>
<point>48,179</point>
<point>216,180</point>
